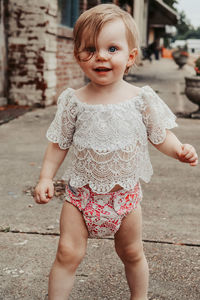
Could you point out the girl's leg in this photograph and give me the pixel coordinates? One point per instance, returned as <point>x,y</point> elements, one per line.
<point>128,245</point>
<point>70,252</point>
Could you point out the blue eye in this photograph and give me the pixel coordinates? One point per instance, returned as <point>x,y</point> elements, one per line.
<point>112,49</point>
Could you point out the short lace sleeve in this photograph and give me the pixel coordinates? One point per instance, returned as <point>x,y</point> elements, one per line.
<point>62,128</point>
<point>157,116</point>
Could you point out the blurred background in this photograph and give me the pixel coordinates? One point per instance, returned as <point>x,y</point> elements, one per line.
<point>36,64</point>
<point>36,43</point>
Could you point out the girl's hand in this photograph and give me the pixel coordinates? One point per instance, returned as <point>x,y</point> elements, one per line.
<point>44,191</point>
<point>188,155</point>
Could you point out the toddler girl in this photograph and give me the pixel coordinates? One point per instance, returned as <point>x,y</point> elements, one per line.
<point>106,125</point>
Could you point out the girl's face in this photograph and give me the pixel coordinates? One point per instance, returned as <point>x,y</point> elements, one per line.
<point>106,64</point>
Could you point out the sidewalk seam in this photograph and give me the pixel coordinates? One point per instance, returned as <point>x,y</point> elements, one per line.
<point>109,238</point>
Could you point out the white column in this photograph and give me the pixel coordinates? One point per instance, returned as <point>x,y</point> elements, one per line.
<point>140,14</point>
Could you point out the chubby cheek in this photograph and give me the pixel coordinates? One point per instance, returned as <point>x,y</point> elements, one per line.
<point>83,66</point>
<point>120,65</point>
<point>86,66</point>
<point>88,71</point>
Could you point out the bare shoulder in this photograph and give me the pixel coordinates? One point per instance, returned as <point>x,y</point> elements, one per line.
<point>80,91</point>
<point>132,90</point>
<point>82,94</point>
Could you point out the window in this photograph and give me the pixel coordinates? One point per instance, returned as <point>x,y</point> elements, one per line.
<point>106,1</point>
<point>68,12</point>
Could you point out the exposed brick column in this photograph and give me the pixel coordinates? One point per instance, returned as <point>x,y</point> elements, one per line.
<point>27,44</point>
<point>40,53</point>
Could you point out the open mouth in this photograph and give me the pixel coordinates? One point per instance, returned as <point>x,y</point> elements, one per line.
<point>102,69</point>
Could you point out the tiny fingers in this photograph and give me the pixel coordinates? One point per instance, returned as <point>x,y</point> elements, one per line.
<point>186,149</point>
<point>194,161</point>
<point>41,197</point>
<point>44,191</point>
<point>189,155</point>
<point>51,191</point>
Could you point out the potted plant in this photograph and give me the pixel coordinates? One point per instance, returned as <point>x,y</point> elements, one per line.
<point>192,88</point>
<point>197,66</point>
<point>180,57</point>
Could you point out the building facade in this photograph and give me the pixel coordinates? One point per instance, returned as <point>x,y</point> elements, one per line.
<point>36,59</point>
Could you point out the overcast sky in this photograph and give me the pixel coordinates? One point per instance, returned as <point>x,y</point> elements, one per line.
<point>191,9</point>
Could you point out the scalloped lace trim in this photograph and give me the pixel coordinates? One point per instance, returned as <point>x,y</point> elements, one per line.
<point>108,143</point>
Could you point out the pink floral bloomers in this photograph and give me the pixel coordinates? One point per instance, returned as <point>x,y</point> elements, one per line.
<point>103,213</point>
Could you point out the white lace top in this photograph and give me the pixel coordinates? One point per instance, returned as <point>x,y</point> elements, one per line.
<point>109,143</point>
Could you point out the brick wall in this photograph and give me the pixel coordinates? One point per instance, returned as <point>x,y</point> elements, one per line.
<point>68,73</point>
<point>40,58</point>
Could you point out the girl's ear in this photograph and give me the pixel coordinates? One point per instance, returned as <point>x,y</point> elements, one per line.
<point>132,57</point>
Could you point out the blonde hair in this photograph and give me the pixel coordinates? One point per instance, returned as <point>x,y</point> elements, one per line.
<point>90,23</point>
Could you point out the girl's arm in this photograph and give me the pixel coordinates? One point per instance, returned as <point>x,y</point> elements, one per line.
<point>174,148</point>
<point>53,158</point>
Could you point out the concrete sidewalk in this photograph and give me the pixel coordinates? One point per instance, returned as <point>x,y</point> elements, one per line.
<point>171,210</point>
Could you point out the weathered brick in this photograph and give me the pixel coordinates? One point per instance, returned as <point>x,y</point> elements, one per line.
<point>50,78</point>
<point>40,53</point>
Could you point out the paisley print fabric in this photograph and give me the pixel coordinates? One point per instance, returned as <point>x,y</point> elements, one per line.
<point>103,213</point>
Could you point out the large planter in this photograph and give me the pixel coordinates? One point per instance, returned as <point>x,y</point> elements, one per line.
<point>180,60</point>
<point>192,91</point>
<point>180,57</point>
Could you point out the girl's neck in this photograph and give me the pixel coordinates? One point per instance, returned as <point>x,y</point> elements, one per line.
<point>104,94</point>
<point>105,89</point>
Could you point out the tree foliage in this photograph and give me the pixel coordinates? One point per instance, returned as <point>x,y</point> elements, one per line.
<point>185,30</point>
<point>183,25</point>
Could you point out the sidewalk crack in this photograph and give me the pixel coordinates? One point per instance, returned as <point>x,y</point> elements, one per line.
<point>171,243</point>
<point>108,238</point>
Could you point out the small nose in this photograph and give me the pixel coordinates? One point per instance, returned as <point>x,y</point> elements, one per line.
<point>102,55</point>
